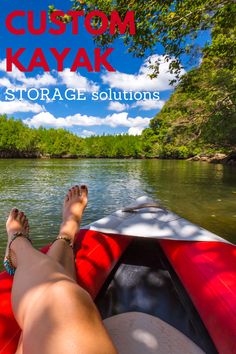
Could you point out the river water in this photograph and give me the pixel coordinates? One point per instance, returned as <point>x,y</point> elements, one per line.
<point>201,192</point>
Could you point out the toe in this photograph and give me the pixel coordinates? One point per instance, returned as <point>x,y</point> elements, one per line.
<point>84,190</point>
<point>70,193</point>
<point>14,212</point>
<point>77,190</point>
<point>21,216</point>
<point>26,225</point>
<point>12,216</point>
<point>74,191</point>
<point>67,197</point>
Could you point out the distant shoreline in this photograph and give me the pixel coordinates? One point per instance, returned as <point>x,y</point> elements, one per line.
<point>220,158</point>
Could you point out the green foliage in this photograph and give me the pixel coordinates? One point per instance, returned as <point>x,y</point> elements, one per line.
<point>58,142</point>
<point>16,139</point>
<point>169,151</point>
<point>201,114</point>
<point>15,136</point>
<point>114,146</point>
<point>174,24</point>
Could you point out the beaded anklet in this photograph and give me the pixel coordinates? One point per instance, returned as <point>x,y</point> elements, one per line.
<point>66,239</point>
<point>8,264</point>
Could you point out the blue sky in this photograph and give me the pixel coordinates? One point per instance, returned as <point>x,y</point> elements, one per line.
<point>82,117</point>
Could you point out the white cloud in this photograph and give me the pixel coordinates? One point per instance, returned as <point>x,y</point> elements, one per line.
<point>4,82</point>
<point>39,81</point>
<point>141,81</point>
<point>117,106</point>
<point>135,130</point>
<point>148,105</point>
<point>86,133</point>
<point>19,106</point>
<point>46,119</point>
<point>18,78</point>
<point>122,119</point>
<point>75,80</point>
<point>14,74</point>
<point>82,120</point>
<point>114,120</point>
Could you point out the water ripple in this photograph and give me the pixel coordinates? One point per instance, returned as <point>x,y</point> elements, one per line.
<point>196,191</point>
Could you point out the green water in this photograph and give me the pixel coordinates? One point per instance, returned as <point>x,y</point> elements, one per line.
<point>201,192</point>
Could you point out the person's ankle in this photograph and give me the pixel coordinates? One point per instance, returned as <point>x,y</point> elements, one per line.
<point>71,218</point>
<point>67,230</point>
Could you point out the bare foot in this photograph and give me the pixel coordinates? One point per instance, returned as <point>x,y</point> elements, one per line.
<point>74,204</point>
<point>16,222</point>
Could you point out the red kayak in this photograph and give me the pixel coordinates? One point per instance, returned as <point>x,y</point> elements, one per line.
<point>189,285</point>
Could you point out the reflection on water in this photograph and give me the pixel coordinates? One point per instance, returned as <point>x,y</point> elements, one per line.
<point>201,192</point>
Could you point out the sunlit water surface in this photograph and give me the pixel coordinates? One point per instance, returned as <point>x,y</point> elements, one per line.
<point>201,192</point>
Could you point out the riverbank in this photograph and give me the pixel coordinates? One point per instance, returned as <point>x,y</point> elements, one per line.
<point>217,158</point>
<point>229,159</point>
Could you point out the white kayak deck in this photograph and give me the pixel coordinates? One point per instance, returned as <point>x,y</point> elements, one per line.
<point>146,218</point>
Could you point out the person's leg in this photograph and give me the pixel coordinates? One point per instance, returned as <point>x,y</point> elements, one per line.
<point>55,314</point>
<point>59,250</point>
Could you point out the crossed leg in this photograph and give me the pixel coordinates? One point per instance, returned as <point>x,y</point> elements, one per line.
<point>54,313</point>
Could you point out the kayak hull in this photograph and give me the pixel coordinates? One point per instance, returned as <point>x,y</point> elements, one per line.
<point>206,270</point>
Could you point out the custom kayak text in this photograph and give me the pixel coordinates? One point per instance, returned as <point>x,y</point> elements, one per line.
<point>112,25</point>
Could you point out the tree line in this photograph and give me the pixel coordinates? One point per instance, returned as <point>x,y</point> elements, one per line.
<point>18,140</point>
